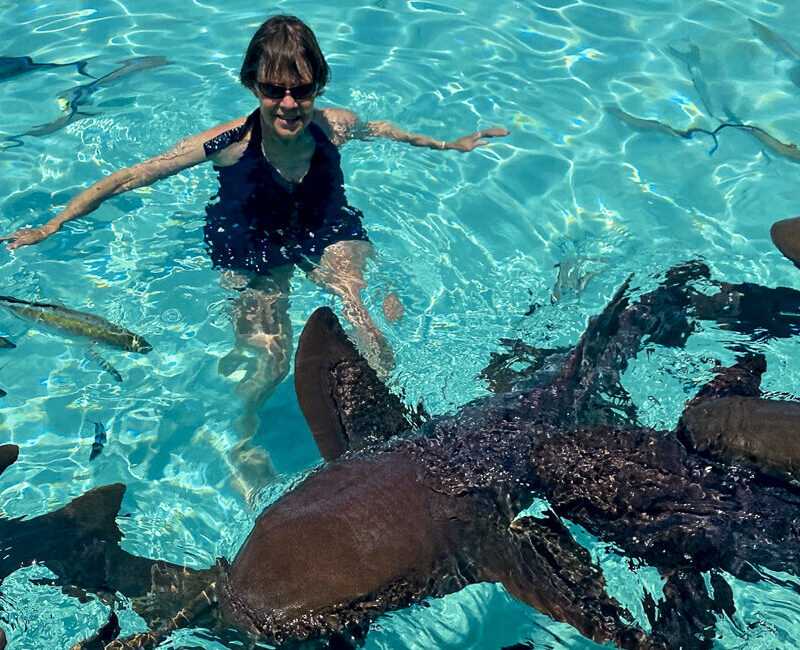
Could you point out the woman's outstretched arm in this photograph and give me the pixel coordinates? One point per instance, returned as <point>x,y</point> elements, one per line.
<point>186,153</point>
<point>343,125</point>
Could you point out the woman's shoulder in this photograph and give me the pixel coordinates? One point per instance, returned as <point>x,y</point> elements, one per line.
<point>225,143</point>
<point>339,124</point>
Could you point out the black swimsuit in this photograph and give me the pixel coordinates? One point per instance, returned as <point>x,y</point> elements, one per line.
<point>258,220</point>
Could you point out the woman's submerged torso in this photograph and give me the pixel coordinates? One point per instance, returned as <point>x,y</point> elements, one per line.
<point>258,220</point>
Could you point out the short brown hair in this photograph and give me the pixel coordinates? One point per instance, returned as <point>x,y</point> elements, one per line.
<point>284,45</point>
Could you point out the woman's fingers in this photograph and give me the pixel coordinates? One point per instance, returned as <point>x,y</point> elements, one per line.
<point>24,237</point>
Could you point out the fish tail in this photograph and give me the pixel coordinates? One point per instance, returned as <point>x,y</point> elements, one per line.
<point>691,58</point>
<point>80,66</point>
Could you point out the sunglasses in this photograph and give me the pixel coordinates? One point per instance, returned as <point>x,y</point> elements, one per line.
<point>273,91</point>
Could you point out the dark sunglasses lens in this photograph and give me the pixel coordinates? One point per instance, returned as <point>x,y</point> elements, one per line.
<point>304,91</point>
<point>272,91</point>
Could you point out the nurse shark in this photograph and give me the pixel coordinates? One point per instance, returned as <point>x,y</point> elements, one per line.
<point>403,511</point>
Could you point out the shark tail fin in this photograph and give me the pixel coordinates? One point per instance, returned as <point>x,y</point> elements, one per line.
<point>347,407</point>
<point>67,540</point>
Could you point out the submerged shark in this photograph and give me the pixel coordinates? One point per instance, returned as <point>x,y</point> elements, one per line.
<point>15,66</point>
<point>80,95</point>
<point>402,512</point>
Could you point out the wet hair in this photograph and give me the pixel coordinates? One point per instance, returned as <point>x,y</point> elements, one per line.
<point>284,45</point>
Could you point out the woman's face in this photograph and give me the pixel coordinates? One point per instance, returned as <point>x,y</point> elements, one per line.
<point>287,105</point>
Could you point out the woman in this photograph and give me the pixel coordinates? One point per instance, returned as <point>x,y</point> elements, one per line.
<point>280,205</point>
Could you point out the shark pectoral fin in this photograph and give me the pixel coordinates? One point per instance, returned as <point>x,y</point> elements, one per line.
<point>540,564</point>
<point>347,407</point>
<point>521,366</point>
<point>8,456</point>
<point>687,615</point>
<point>108,632</point>
<point>742,379</point>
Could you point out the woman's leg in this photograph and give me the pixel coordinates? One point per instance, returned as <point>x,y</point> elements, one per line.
<point>263,332</point>
<point>341,272</point>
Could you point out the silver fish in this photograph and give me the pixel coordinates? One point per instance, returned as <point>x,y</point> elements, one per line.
<point>780,46</point>
<point>76,323</point>
<point>572,276</point>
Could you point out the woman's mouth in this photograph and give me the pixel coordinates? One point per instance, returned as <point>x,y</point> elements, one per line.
<point>288,120</point>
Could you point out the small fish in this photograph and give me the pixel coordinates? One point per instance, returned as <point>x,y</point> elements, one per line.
<point>572,276</point>
<point>776,43</point>
<point>780,46</point>
<point>786,149</point>
<point>16,66</point>
<point>77,323</point>
<point>75,97</point>
<point>3,393</point>
<point>100,439</point>
<point>691,59</point>
<point>660,127</point>
<point>5,343</point>
<point>92,355</point>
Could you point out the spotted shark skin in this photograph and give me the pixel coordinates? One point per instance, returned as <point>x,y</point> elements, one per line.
<point>408,512</point>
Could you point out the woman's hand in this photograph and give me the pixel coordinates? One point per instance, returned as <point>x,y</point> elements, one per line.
<point>26,237</point>
<point>470,142</point>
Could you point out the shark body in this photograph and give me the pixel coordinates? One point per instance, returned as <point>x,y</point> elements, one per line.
<point>401,512</point>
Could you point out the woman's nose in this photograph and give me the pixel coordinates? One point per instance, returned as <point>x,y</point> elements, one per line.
<point>288,101</point>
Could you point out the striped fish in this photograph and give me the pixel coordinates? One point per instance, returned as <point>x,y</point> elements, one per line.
<point>76,323</point>
<point>100,439</point>
<point>92,355</point>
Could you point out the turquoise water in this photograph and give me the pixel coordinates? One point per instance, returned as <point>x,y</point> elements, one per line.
<point>469,241</point>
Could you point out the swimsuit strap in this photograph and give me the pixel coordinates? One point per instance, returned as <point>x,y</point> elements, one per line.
<point>227,138</point>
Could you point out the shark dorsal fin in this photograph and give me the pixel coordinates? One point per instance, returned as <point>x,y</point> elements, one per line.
<point>347,407</point>
<point>94,513</point>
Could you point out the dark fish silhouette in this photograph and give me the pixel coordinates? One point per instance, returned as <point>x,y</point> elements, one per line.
<point>80,95</point>
<point>5,343</point>
<point>691,59</point>
<point>15,66</point>
<point>780,46</point>
<point>100,440</point>
<point>398,514</point>
<point>786,149</point>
